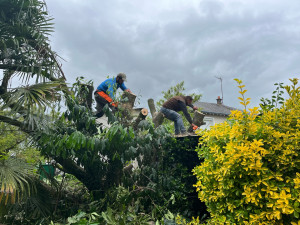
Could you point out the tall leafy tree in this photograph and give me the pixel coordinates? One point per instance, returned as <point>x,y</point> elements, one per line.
<point>176,90</point>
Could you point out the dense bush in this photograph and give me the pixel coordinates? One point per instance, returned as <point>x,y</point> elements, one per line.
<point>251,168</point>
<point>167,181</point>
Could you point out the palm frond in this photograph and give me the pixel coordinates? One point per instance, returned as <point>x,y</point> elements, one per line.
<point>36,120</point>
<point>38,95</point>
<point>15,180</point>
<point>24,43</point>
<point>37,207</point>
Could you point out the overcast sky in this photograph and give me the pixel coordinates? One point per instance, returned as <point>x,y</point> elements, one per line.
<point>160,43</point>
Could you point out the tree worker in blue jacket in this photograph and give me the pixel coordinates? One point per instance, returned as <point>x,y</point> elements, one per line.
<point>106,91</point>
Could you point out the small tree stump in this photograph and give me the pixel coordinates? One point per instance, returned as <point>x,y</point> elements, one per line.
<point>136,112</point>
<point>126,105</point>
<point>151,107</point>
<point>142,115</point>
<point>158,119</point>
<point>197,120</point>
<point>129,102</point>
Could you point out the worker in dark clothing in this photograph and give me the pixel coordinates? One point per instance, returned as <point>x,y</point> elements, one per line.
<point>106,91</point>
<point>171,108</point>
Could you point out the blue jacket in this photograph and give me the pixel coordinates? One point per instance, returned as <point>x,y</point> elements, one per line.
<point>110,86</point>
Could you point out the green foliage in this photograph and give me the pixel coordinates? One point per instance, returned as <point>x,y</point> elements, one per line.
<point>30,154</point>
<point>277,98</point>
<point>112,217</point>
<point>25,26</point>
<point>250,173</point>
<point>27,98</point>
<point>36,207</point>
<point>243,101</point>
<point>19,185</point>
<point>163,182</point>
<point>182,221</point>
<point>25,51</point>
<point>81,147</point>
<point>10,138</point>
<point>109,217</point>
<point>15,142</point>
<point>16,179</point>
<point>176,90</point>
<point>84,91</point>
<point>82,218</point>
<point>56,202</point>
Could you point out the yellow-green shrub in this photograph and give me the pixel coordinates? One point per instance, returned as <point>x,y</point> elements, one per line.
<point>182,221</point>
<point>251,168</point>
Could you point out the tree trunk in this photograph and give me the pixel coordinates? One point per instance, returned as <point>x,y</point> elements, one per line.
<point>126,105</point>
<point>158,119</point>
<point>127,100</point>
<point>197,120</point>
<point>151,107</point>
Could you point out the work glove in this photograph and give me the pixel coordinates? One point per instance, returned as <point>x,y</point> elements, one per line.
<point>115,104</point>
<point>194,126</point>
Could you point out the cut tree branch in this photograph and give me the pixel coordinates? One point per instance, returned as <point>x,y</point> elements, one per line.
<point>13,122</point>
<point>69,166</point>
<point>6,77</point>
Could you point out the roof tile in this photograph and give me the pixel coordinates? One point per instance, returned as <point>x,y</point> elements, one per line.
<point>214,108</point>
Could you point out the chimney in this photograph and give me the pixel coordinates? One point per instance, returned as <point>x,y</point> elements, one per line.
<point>219,101</point>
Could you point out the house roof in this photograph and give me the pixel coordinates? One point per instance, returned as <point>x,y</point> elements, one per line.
<point>214,108</point>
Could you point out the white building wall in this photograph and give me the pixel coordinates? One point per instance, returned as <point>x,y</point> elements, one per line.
<point>212,120</point>
<point>219,119</point>
<point>104,121</point>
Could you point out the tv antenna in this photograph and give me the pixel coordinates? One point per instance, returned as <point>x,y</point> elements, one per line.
<point>220,78</point>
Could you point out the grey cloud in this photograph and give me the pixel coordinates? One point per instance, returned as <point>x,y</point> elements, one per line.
<point>163,43</point>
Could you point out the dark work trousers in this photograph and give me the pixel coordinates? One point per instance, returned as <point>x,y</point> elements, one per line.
<point>176,118</point>
<point>100,103</point>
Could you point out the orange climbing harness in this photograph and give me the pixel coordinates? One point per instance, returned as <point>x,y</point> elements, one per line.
<point>107,98</point>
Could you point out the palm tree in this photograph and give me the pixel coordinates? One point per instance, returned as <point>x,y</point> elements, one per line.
<point>24,43</point>
<point>25,52</point>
